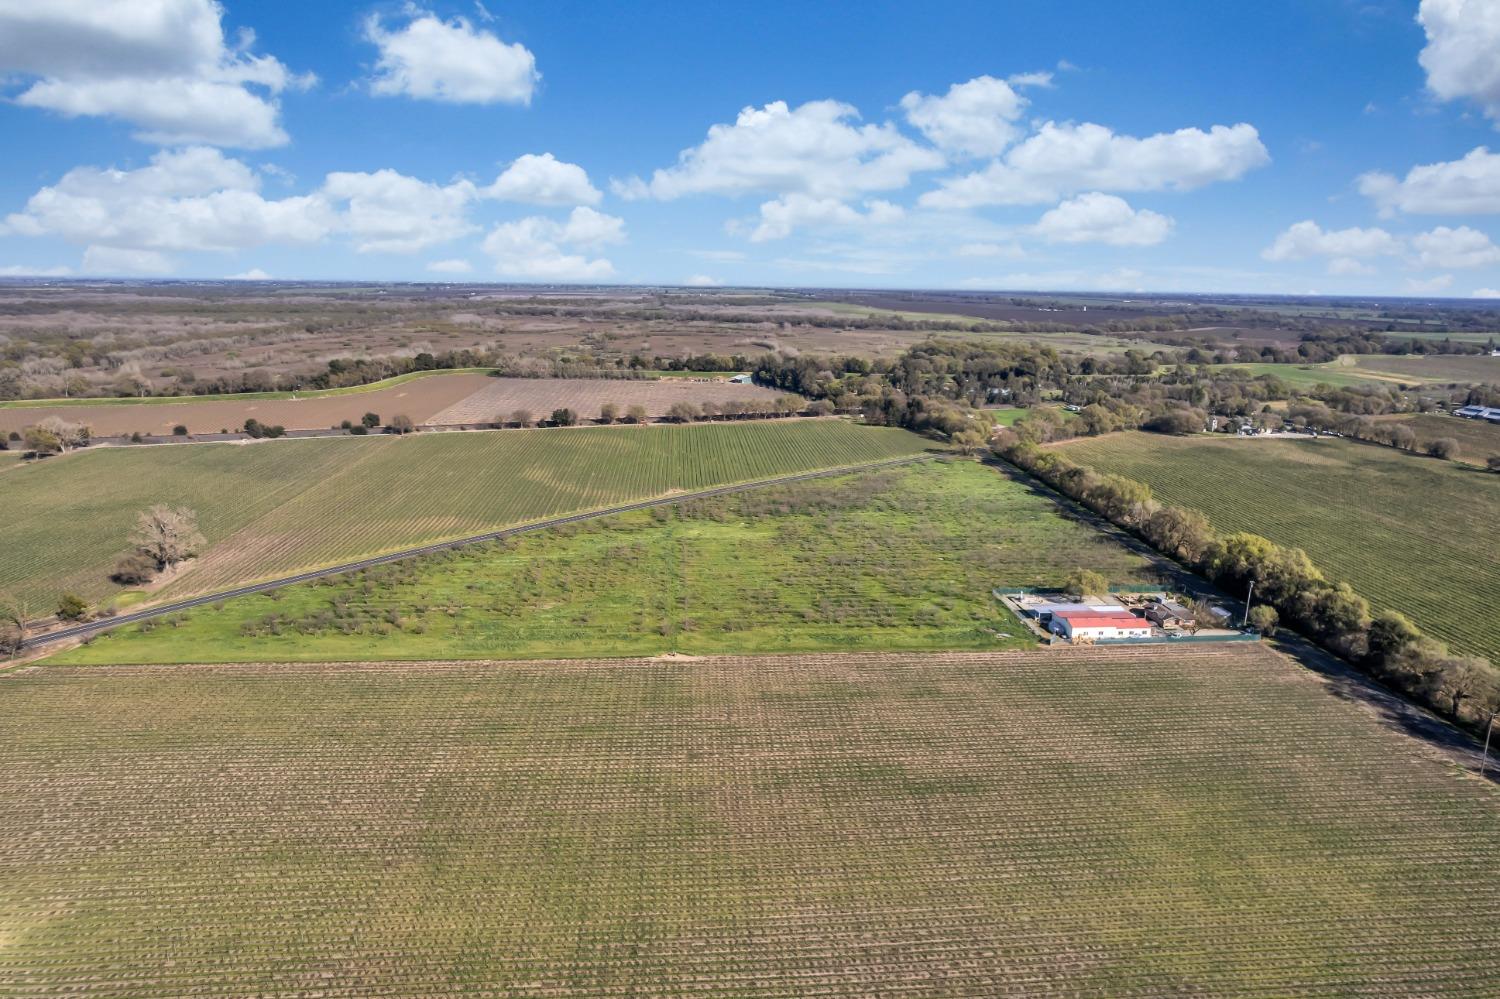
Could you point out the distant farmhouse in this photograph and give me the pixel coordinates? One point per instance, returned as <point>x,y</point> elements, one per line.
<point>1118,617</point>
<point>1490,414</point>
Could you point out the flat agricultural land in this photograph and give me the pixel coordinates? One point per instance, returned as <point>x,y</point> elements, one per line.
<point>1435,367</point>
<point>1411,534</point>
<point>1477,440</point>
<point>1305,376</point>
<point>420,398</point>
<point>1205,821</point>
<point>498,398</point>
<point>274,507</point>
<point>902,558</point>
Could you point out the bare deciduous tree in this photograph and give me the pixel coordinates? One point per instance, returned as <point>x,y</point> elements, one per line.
<point>167,535</point>
<point>13,617</point>
<point>683,412</point>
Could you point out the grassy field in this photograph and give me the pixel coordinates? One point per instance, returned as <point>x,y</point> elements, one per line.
<point>1411,534</point>
<point>893,559</point>
<point>1477,440</point>
<point>1006,415</point>
<point>1203,821</point>
<point>271,508</point>
<point>1307,375</point>
<point>1435,367</point>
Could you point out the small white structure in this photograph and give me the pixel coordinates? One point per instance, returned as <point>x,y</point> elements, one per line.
<point>1076,626</point>
<point>1045,609</point>
<point>742,379</point>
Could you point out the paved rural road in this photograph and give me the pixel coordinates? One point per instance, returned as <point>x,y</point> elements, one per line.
<point>105,624</point>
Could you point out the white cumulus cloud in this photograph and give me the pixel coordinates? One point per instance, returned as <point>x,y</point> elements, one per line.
<point>1102,218</point>
<point>389,212</point>
<point>701,281</point>
<point>977,118</point>
<point>544,180</point>
<point>1308,239</point>
<point>455,266</point>
<point>1470,185</point>
<point>1486,293</point>
<point>1462,247</point>
<point>1349,267</point>
<point>188,199</point>
<point>161,65</point>
<point>543,249</point>
<point>111,261</point>
<point>781,217</point>
<point>1462,56</point>
<point>450,61</point>
<point>253,274</point>
<point>818,148</point>
<point>1427,286</point>
<point>1062,159</point>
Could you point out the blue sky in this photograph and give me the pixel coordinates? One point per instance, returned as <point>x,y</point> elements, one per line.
<point>1286,147</point>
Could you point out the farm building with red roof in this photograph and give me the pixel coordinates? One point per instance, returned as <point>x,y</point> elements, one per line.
<point>1094,626</point>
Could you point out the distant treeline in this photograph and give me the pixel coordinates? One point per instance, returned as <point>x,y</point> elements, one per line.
<point>1319,347</point>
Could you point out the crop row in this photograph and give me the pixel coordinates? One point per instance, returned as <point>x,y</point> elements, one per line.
<point>1106,823</point>
<point>282,505</point>
<point>1409,533</point>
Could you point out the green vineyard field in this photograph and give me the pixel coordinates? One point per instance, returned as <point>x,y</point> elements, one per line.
<point>1472,368</point>
<point>889,559</point>
<point>1129,822</point>
<point>1411,534</point>
<point>1478,440</point>
<point>276,507</point>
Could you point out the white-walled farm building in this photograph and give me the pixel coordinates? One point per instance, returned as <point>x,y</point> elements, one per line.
<point>1094,625</point>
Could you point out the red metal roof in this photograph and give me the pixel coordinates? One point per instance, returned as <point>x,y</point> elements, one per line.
<point>1125,620</point>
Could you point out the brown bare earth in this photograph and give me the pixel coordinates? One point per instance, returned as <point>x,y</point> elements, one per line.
<point>420,398</point>
<point>498,398</point>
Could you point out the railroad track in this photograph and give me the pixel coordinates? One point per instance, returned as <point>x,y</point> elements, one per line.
<point>105,624</point>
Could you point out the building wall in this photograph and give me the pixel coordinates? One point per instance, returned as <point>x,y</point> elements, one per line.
<point>1096,633</point>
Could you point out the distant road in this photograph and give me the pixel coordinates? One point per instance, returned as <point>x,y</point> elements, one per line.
<point>105,624</point>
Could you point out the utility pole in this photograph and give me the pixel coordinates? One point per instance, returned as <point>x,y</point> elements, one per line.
<point>1484,762</point>
<point>1251,593</point>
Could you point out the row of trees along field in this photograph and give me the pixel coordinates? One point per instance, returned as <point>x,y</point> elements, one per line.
<point>1386,645</point>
